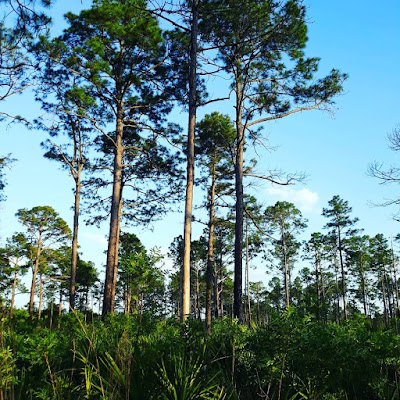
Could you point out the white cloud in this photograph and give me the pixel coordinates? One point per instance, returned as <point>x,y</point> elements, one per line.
<point>304,199</point>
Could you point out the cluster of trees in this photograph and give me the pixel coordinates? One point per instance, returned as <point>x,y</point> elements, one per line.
<point>107,85</point>
<point>334,275</point>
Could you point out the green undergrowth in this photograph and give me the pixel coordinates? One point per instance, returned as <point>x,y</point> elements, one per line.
<point>124,358</point>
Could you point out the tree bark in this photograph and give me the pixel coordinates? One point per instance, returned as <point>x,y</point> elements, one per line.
<point>115,276</point>
<point>238,272</point>
<point>343,276</point>
<point>248,278</point>
<point>74,256</point>
<point>113,239</point>
<point>286,272</point>
<point>40,296</point>
<point>185,309</point>
<point>210,252</point>
<point>14,289</point>
<point>34,274</point>
<point>363,289</point>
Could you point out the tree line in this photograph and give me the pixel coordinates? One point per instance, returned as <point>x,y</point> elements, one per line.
<point>334,275</point>
<point>107,86</point>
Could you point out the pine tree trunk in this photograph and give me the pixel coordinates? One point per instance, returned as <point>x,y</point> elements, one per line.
<point>286,275</point>
<point>396,286</point>
<point>363,288</point>
<point>385,310</point>
<point>60,303</point>
<point>210,252</point>
<point>238,273</point>
<point>34,274</point>
<point>74,256</point>
<point>185,308</point>
<point>195,294</point>
<point>317,286</point>
<point>113,239</point>
<point>343,277</point>
<point>40,296</point>
<point>14,289</point>
<point>248,278</point>
<point>337,290</point>
<point>115,277</point>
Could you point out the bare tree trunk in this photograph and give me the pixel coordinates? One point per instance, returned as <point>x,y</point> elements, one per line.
<point>34,275</point>
<point>113,239</point>
<point>60,303</point>
<point>317,285</point>
<point>141,307</point>
<point>396,285</point>
<point>238,273</point>
<point>247,278</point>
<point>216,293</point>
<point>198,315</point>
<point>40,296</point>
<point>14,289</point>
<point>286,272</point>
<point>258,304</point>
<point>337,290</point>
<point>74,256</point>
<point>210,252</point>
<point>363,288</point>
<point>385,309</point>
<point>185,308</point>
<point>195,294</point>
<point>343,277</point>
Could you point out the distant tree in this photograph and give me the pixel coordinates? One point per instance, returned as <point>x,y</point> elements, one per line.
<point>198,268</point>
<point>358,260</point>
<point>260,46</point>
<point>315,252</point>
<point>381,261</point>
<point>14,264</point>
<point>215,139</point>
<point>67,108</point>
<point>87,278</point>
<point>283,222</point>
<point>141,277</point>
<point>275,294</point>
<point>45,229</point>
<point>342,227</point>
<point>258,290</point>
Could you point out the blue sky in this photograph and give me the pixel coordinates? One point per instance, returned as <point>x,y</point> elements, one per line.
<point>361,38</point>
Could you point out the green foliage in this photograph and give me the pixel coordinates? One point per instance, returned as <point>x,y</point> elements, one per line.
<point>292,357</point>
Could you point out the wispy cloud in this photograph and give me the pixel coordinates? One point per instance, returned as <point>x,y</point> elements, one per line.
<point>305,199</point>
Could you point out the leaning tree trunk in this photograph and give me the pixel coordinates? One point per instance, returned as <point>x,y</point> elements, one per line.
<point>185,309</point>
<point>112,251</point>
<point>238,273</point>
